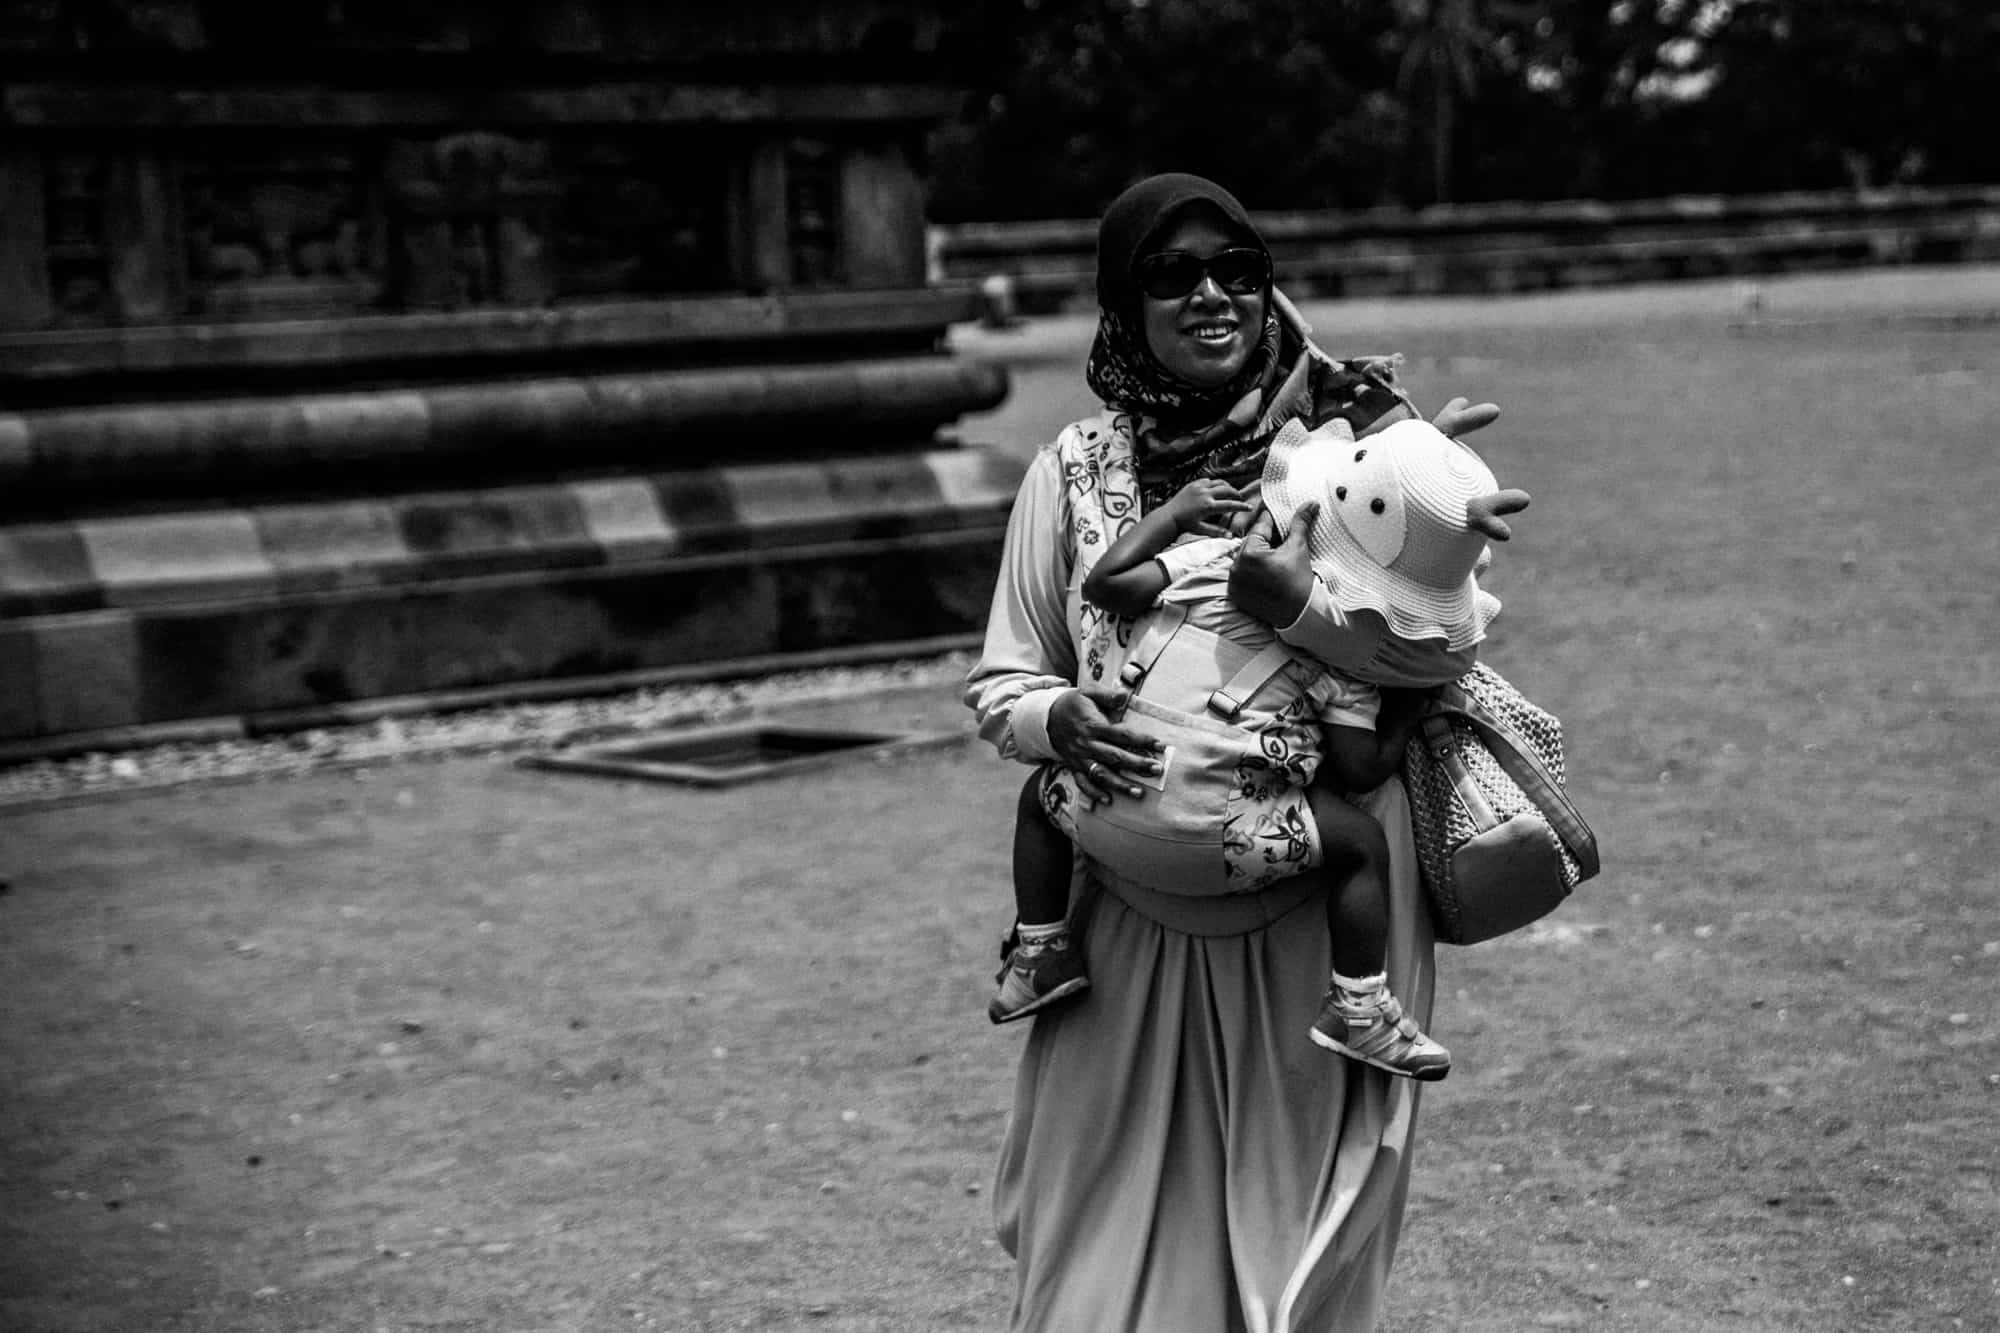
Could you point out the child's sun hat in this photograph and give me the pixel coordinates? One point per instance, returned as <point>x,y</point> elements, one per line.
<point>1405,515</point>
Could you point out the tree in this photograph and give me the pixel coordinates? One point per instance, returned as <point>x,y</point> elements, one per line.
<point>1442,42</point>
<point>1345,103</point>
<point>1859,92</point>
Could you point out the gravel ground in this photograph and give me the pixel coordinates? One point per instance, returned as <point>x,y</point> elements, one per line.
<point>526,726</point>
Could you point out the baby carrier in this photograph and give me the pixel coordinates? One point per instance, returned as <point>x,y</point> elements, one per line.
<point>1228,814</point>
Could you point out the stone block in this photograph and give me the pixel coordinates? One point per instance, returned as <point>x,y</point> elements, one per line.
<point>493,531</point>
<point>166,557</point>
<point>332,544</point>
<point>44,567</point>
<point>974,479</point>
<point>20,683</point>
<point>624,518</point>
<point>87,672</point>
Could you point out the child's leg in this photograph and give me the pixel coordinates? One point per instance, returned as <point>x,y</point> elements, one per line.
<point>1355,863</point>
<point>1039,967</point>
<point>1042,861</point>
<point>1360,1018</point>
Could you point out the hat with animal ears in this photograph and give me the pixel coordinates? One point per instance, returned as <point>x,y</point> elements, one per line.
<point>1405,515</point>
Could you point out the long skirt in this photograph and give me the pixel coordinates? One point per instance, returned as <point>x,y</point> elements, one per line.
<point>1181,1157</point>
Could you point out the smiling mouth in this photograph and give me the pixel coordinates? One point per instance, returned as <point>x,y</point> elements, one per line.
<point>1211,331</point>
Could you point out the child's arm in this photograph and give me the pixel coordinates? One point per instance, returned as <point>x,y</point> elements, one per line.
<point>1127,579</point>
<point>1362,760</point>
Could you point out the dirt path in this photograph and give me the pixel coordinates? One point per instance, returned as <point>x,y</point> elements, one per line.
<point>458,1045</point>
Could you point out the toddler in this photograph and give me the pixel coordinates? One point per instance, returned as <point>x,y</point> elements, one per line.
<point>1247,721</point>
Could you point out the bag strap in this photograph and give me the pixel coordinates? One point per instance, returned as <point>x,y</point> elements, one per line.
<point>1520,762</point>
<point>1444,752</point>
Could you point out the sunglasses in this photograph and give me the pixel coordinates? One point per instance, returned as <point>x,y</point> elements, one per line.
<point>1168,275</point>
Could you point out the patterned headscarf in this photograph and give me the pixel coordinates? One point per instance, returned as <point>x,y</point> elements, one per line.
<point>1181,431</point>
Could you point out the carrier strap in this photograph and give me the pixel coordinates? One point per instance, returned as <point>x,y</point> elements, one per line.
<point>1228,701</point>
<point>1165,621</point>
<point>1161,624</point>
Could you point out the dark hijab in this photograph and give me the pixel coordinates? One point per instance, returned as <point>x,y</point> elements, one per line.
<point>1137,217</point>
<point>1180,430</point>
<point>1123,371</point>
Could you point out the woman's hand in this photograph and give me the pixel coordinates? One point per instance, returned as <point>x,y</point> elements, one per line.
<point>1207,507</point>
<point>1101,753</point>
<point>1271,582</point>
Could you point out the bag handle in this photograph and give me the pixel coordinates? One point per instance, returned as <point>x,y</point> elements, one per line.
<point>1519,761</point>
<point>1444,752</point>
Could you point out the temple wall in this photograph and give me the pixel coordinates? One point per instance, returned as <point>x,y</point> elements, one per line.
<point>377,348</point>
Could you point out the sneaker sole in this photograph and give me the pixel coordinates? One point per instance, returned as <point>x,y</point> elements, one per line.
<point>1423,1075</point>
<point>1035,1006</point>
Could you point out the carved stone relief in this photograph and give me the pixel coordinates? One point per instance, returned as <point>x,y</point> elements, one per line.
<point>79,260</point>
<point>642,216</point>
<point>812,210</point>
<point>279,231</point>
<point>472,220</point>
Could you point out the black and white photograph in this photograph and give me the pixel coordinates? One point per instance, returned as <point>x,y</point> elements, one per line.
<point>1021,666</point>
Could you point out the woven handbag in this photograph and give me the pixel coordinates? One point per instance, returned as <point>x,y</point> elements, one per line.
<point>1499,843</point>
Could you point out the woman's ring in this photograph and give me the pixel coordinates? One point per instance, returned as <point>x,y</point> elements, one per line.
<point>1095,772</point>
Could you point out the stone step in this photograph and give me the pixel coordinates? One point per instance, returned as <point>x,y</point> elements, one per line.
<point>120,622</point>
<point>92,455</point>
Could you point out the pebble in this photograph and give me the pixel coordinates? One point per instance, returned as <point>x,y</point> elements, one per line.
<point>492,729</point>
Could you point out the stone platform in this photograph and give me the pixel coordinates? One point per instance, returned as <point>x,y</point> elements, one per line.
<point>287,612</point>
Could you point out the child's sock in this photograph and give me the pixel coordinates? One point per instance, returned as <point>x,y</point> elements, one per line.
<point>1040,937</point>
<point>1360,991</point>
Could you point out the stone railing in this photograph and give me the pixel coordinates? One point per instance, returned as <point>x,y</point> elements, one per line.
<point>1513,247</point>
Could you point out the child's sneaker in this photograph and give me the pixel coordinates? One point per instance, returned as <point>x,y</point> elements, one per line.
<point>1377,1032</point>
<point>1034,977</point>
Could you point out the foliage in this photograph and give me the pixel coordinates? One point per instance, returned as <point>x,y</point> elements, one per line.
<point>1349,103</point>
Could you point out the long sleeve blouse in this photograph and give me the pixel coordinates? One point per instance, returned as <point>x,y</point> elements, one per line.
<point>1030,653</point>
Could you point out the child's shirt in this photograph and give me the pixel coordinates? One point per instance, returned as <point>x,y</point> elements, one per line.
<point>1356,644</point>
<point>1198,580</point>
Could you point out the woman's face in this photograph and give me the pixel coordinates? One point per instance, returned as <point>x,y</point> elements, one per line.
<point>1206,336</point>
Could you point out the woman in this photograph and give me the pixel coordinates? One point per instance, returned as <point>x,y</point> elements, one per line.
<point>1180,1157</point>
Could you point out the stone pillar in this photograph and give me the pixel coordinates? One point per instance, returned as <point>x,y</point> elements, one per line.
<point>142,238</point>
<point>24,270</point>
<point>882,217</point>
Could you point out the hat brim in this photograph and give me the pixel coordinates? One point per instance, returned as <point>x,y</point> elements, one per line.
<point>1293,477</point>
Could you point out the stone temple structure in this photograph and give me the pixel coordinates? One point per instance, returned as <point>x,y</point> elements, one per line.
<point>355,349</point>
